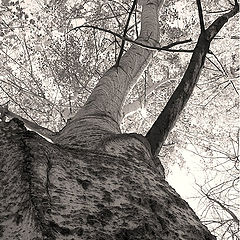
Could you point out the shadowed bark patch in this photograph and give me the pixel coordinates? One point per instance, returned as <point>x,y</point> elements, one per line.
<point>85,183</point>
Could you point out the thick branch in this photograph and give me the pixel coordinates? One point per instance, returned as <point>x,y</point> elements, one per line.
<point>31,125</point>
<point>166,120</point>
<point>102,111</point>
<point>111,90</point>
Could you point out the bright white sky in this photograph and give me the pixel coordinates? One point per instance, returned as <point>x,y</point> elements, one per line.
<point>182,179</point>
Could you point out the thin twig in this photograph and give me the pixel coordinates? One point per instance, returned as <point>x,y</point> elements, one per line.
<point>135,17</point>
<point>215,65</point>
<point>125,32</point>
<point>217,12</point>
<point>164,48</point>
<point>200,14</point>
<point>176,43</point>
<point>220,64</point>
<point>119,24</point>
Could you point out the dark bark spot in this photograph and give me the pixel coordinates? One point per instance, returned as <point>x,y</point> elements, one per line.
<point>60,179</point>
<point>180,202</point>
<point>18,218</point>
<point>163,222</point>
<point>49,210</point>
<point>107,197</point>
<point>1,231</point>
<point>78,231</point>
<point>91,219</point>
<point>123,234</point>
<point>18,122</point>
<point>168,201</point>
<point>171,217</point>
<point>128,179</point>
<point>99,205</point>
<point>194,230</point>
<point>137,200</point>
<point>85,183</point>
<point>105,214</point>
<point>141,232</point>
<point>103,236</point>
<point>63,230</point>
<point>153,205</point>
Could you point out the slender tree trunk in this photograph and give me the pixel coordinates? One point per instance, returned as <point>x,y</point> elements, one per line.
<point>158,133</point>
<point>101,115</point>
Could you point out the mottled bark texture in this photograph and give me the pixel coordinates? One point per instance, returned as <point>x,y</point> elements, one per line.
<point>114,192</point>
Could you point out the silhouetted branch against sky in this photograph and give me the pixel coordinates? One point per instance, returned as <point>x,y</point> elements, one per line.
<point>127,39</point>
<point>125,32</point>
<point>168,117</point>
<point>200,14</point>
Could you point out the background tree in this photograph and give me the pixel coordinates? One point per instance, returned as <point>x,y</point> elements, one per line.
<point>100,132</point>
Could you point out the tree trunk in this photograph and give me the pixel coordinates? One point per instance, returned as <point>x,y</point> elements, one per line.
<point>101,115</point>
<point>53,192</point>
<point>94,182</point>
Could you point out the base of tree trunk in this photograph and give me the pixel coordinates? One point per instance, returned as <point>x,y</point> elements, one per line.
<point>51,192</point>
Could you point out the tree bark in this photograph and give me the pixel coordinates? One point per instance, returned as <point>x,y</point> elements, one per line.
<point>51,192</point>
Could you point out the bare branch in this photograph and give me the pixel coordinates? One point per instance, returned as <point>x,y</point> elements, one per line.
<point>116,17</point>
<point>135,19</point>
<point>231,213</point>
<point>200,14</point>
<point>125,32</point>
<point>164,48</point>
<point>168,117</point>
<point>176,43</point>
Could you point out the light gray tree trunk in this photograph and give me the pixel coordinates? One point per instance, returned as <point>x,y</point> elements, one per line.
<point>101,115</point>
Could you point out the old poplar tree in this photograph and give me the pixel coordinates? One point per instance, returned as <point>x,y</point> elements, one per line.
<point>94,182</point>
